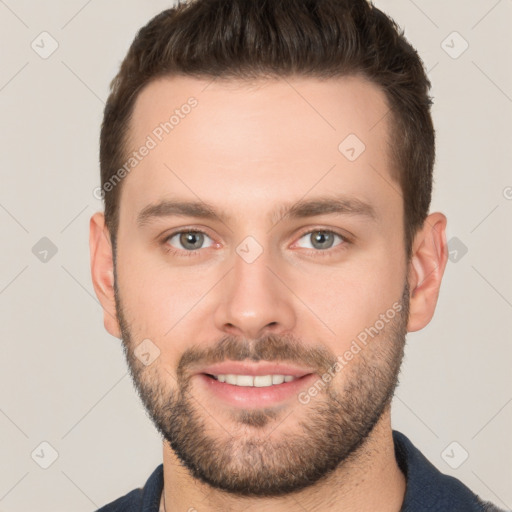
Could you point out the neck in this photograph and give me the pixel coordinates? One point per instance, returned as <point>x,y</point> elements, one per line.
<point>371,480</point>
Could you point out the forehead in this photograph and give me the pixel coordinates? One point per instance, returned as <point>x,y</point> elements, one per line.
<point>240,144</point>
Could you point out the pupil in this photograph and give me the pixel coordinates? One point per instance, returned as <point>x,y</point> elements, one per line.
<point>194,239</point>
<point>322,239</point>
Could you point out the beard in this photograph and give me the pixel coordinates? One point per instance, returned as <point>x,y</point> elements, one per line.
<point>249,455</point>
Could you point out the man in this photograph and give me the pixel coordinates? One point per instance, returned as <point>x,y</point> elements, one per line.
<point>266,245</point>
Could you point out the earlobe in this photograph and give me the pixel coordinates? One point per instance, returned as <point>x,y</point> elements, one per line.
<point>102,271</point>
<point>426,269</point>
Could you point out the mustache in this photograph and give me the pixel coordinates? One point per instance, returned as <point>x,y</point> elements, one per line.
<point>269,348</point>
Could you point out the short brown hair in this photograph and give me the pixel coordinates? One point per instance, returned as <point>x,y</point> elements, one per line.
<point>249,39</point>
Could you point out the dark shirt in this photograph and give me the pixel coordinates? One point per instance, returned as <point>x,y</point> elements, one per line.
<point>428,490</point>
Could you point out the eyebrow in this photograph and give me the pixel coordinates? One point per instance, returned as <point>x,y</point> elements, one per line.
<point>340,205</point>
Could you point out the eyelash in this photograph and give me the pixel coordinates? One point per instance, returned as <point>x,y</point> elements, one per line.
<point>169,249</point>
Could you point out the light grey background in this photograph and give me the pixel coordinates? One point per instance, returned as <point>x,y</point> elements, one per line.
<point>64,379</point>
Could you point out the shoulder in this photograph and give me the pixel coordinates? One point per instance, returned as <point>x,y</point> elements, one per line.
<point>146,498</point>
<point>428,489</point>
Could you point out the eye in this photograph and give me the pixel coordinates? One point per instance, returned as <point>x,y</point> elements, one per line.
<point>188,240</point>
<point>321,239</point>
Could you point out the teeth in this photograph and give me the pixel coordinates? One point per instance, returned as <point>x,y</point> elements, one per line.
<point>259,381</point>
<point>278,379</point>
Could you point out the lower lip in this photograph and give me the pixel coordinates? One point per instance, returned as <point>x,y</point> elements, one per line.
<point>250,396</point>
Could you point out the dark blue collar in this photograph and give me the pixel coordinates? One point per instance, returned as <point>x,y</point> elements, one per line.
<point>427,488</point>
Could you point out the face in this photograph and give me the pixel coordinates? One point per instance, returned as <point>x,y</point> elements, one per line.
<point>261,236</point>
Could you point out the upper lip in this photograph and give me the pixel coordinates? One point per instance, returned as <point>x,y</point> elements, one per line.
<point>247,368</point>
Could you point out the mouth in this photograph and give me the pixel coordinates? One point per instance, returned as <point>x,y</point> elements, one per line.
<point>257,381</point>
<point>251,369</point>
<point>254,386</point>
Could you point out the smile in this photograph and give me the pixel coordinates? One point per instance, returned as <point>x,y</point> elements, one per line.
<point>258,381</point>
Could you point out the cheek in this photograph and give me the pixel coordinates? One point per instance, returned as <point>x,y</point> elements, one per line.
<point>157,296</point>
<point>351,297</point>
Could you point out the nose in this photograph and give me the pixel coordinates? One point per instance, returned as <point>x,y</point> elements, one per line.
<point>254,300</point>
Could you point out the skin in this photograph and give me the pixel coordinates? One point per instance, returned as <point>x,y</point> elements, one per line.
<point>250,150</point>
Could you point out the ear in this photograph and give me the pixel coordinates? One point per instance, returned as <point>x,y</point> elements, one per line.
<point>426,269</point>
<point>102,271</point>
